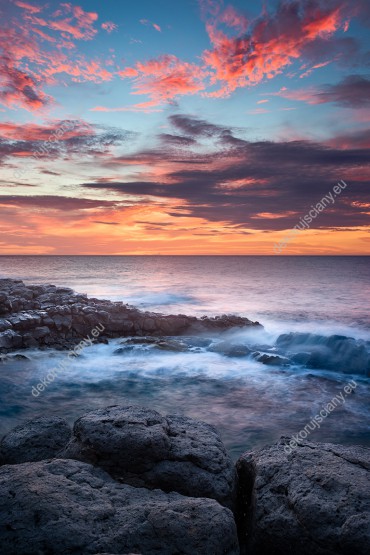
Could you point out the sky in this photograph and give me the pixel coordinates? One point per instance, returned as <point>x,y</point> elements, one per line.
<point>195,127</point>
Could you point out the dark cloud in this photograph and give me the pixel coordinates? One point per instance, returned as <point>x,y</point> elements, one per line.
<point>196,127</point>
<point>49,172</point>
<point>157,224</point>
<point>346,51</point>
<point>18,87</point>
<point>352,140</point>
<point>4,183</point>
<point>55,202</point>
<point>176,140</point>
<point>250,183</point>
<point>105,223</point>
<point>64,138</point>
<point>352,92</point>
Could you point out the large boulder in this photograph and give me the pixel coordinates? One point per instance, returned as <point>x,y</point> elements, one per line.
<point>35,440</point>
<point>65,506</point>
<point>140,447</point>
<point>312,500</point>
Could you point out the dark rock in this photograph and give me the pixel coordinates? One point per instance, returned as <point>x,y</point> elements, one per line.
<point>29,310</point>
<point>9,339</point>
<point>42,331</point>
<point>312,500</point>
<point>271,360</point>
<point>301,358</point>
<point>172,345</point>
<point>230,349</point>
<point>196,341</point>
<point>140,447</point>
<point>35,440</point>
<point>4,324</point>
<point>17,357</point>
<point>65,506</point>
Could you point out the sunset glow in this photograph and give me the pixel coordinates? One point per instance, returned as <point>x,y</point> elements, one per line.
<point>209,128</point>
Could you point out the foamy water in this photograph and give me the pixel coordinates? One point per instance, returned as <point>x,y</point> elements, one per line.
<point>251,404</point>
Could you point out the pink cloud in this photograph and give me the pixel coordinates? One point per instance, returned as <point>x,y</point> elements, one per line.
<point>109,26</point>
<point>36,132</point>
<point>302,95</point>
<point>165,78</point>
<point>273,43</point>
<point>26,66</point>
<point>146,107</point>
<point>29,7</point>
<point>258,111</point>
<point>231,17</point>
<point>151,24</point>
<point>79,24</point>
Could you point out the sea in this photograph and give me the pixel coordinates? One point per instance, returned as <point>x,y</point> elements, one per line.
<point>250,403</point>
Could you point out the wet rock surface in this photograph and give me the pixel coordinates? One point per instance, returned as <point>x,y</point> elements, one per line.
<point>51,316</point>
<point>313,501</point>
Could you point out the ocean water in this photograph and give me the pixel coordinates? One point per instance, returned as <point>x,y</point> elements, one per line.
<point>250,403</point>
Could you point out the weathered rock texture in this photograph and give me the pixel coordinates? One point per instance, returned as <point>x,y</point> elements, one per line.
<point>142,448</point>
<point>147,484</point>
<point>35,440</point>
<point>66,506</point>
<point>46,315</point>
<point>314,501</point>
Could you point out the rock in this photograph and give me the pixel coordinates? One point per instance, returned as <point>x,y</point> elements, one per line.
<point>40,332</point>
<point>313,501</point>
<point>140,447</point>
<point>271,360</point>
<point>301,358</point>
<point>65,506</point>
<point>17,357</point>
<point>230,349</point>
<point>35,440</point>
<point>10,339</point>
<point>197,341</point>
<point>4,324</point>
<point>140,341</point>
<point>172,345</point>
<point>31,311</point>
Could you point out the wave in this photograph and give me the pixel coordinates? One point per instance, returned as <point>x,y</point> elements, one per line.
<point>336,352</point>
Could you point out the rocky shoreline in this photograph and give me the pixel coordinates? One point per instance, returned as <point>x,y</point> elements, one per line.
<point>57,317</point>
<point>127,480</point>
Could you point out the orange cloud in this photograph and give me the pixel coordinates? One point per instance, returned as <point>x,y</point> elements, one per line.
<point>61,227</point>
